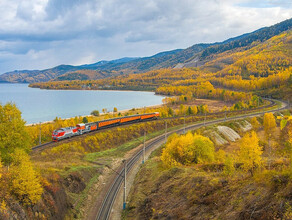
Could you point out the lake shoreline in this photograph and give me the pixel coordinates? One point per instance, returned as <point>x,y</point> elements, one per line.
<point>42,105</point>
<point>122,111</point>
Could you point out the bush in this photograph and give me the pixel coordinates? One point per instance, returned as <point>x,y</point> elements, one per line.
<point>187,149</point>
<point>85,120</point>
<point>95,113</point>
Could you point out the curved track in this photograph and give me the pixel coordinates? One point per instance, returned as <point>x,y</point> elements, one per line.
<point>105,209</point>
<point>272,103</point>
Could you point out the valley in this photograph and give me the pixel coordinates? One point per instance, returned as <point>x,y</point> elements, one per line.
<point>223,138</point>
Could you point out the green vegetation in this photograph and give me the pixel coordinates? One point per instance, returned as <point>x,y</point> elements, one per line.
<point>95,113</point>
<point>187,149</point>
<point>25,183</point>
<point>12,132</point>
<point>238,184</point>
<point>84,120</point>
<point>19,179</point>
<point>195,55</point>
<point>190,177</point>
<point>235,75</point>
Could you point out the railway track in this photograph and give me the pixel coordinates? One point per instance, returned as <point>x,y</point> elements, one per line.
<point>272,103</point>
<point>106,207</point>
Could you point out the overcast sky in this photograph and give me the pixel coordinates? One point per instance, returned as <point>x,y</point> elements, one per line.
<point>39,34</point>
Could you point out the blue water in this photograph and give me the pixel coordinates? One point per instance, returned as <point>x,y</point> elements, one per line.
<point>39,105</point>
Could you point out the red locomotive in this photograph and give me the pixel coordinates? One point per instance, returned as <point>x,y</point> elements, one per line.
<point>80,129</point>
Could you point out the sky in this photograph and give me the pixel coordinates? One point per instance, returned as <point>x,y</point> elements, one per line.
<point>40,34</point>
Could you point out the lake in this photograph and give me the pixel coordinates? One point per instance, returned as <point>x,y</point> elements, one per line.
<point>39,105</point>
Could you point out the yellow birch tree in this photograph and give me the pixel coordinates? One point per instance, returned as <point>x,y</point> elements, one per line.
<point>25,183</point>
<point>250,152</point>
<point>12,132</point>
<point>269,127</point>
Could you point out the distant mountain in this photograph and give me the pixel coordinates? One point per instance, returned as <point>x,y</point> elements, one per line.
<point>103,69</point>
<point>193,56</point>
<point>28,76</point>
<point>260,35</point>
<point>60,72</point>
<point>245,40</point>
<point>104,62</point>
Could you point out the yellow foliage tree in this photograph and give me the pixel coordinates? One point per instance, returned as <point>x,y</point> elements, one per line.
<point>0,168</point>
<point>269,127</point>
<point>229,168</point>
<point>255,124</point>
<point>4,194</point>
<point>290,142</point>
<point>25,182</point>
<point>269,124</point>
<point>12,132</point>
<point>220,156</point>
<point>250,152</point>
<point>187,149</point>
<point>290,133</point>
<point>195,110</point>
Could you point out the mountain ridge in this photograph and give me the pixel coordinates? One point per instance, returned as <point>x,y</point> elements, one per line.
<point>193,56</point>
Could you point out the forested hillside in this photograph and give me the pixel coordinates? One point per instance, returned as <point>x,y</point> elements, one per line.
<point>264,69</point>
<point>194,56</point>
<point>194,177</point>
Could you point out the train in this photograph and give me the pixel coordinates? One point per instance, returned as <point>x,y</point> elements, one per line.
<point>79,129</point>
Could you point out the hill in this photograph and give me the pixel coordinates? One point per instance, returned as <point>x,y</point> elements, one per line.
<point>264,68</point>
<point>194,56</point>
<point>235,183</point>
<point>30,76</point>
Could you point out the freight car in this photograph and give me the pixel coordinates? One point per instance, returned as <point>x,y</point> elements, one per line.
<point>80,129</point>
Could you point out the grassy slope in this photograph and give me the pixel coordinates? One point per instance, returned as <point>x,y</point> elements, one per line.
<point>194,193</point>
<point>189,193</point>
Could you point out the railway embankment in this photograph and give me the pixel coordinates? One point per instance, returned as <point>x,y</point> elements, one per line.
<point>243,126</point>
<point>212,191</point>
<point>80,170</point>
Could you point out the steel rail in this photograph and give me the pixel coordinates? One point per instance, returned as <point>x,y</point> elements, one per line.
<point>105,209</point>
<point>272,103</point>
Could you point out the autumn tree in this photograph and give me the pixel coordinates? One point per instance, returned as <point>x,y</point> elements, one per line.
<point>203,109</point>
<point>220,156</point>
<point>190,111</point>
<point>0,168</point>
<point>255,124</point>
<point>25,183</point>
<point>250,152</point>
<point>187,149</point>
<point>85,120</point>
<point>195,110</point>
<point>94,113</point>
<point>4,193</point>
<point>269,123</point>
<point>13,134</point>
<point>229,168</point>
<point>203,149</point>
<point>115,109</point>
<point>269,127</point>
<point>57,122</point>
<point>290,133</point>
<point>182,110</point>
<point>170,112</point>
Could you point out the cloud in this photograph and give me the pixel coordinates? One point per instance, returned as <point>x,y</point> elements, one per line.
<point>40,34</point>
